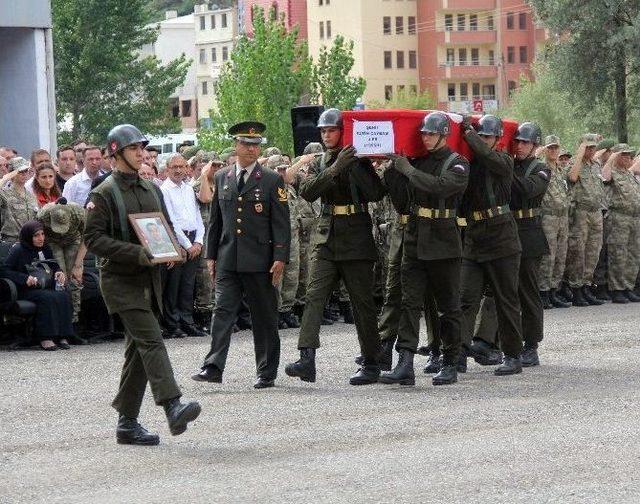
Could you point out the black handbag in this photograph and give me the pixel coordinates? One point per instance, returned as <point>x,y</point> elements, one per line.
<point>43,272</point>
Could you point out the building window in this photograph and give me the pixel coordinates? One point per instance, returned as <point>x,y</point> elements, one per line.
<point>214,55</point>
<point>388,92</point>
<point>320,3</point>
<point>401,89</point>
<point>213,22</point>
<point>448,22</point>
<point>399,25</point>
<point>321,29</point>
<point>387,59</point>
<point>473,22</point>
<point>462,21</point>
<point>492,58</point>
<point>413,89</point>
<point>223,22</point>
<point>522,20</point>
<point>511,54</point>
<point>205,87</point>
<point>490,26</point>
<point>203,56</point>
<point>327,2</point>
<point>462,57</point>
<point>451,91</point>
<point>475,90</point>
<point>512,87</point>
<point>328,29</point>
<point>509,20</point>
<point>413,59</point>
<point>386,25</point>
<point>489,92</point>
<point>225,53</point>
<point>411,25</point>
<point>399,59</point>
<point>523,54</point>
<point>203,22</point>
<point>451,57</point>
<point>475,56</point>
<point>464,91</point>
<point>186,108</point>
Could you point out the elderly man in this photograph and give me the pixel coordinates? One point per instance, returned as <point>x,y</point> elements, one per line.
<point>78,187</point>
<point>189,230</point>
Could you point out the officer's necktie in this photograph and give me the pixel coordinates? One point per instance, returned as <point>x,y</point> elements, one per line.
<point>241,180</point>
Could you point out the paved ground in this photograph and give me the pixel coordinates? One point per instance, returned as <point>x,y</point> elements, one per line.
<point>565,432</point>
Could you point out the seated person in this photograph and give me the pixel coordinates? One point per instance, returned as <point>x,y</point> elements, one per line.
<point>54,312</point>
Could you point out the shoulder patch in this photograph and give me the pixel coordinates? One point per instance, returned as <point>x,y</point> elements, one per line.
<point>282,195</point>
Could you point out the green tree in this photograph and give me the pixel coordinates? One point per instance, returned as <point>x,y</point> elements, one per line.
<point>406,100</point>
<point>597,53</point>
<point>332,85</point>
<point>100,79</point>
<point>264,78</point>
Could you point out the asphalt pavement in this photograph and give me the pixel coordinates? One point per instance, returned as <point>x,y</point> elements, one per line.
<point>566,432</point>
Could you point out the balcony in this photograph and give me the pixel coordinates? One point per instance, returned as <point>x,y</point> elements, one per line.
<point>456,71</point>
<point>462,5</point>
<point>467,37</point>
<point>479,104</point>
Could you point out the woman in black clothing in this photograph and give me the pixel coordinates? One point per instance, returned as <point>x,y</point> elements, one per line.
<point>54,312</point>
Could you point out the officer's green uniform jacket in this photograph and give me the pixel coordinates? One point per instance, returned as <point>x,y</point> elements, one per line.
<point>343,237</point>
<point>128,280</point>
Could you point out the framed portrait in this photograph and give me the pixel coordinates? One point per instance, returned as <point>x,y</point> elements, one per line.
<point>156,237</point>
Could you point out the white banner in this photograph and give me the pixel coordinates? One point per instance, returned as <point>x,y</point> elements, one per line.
<point>373,137</point>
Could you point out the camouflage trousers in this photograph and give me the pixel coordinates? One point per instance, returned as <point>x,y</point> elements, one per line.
<point>585,242</point>
<point>305,252</point>
<point>288,286</point>
<point>600,274</point>
<point>556,229</point>
<point>624,251</point>
<point>203,299</point>
<point>65,256</point>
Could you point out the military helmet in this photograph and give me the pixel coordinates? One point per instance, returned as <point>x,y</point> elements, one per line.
<point>330,118</point>
<point>313,148</point>
<point>529,132</point>
<point>490,125</point>
<point>124,135</point>
<point>436,122</point>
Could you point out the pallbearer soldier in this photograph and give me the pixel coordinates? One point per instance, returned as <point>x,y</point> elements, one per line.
<point>433,186</point>
<point>491,248</point>
<point>130,285</point>
<point>343,248</point>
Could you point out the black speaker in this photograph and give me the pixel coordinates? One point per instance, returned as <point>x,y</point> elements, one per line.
<point>304,122</point>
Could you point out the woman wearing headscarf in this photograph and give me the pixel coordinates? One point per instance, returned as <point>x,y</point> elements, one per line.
<point>53,307</point>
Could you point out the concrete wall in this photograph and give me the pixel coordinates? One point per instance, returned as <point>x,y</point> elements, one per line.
<point>25,13</point>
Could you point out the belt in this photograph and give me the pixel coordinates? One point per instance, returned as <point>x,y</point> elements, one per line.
<point>526,214</point>
<point>434,213</point>
<point>343,209</point>
<point>403,219</point>
<point>489,213</point>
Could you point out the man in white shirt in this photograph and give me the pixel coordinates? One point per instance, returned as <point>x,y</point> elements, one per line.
<point>181,204</point>
<point>78,187</point>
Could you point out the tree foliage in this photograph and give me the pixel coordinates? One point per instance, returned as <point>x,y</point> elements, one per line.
<point>100,81</point>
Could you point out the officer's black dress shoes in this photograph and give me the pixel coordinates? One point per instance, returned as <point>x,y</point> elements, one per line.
<point>305,367</point>
<point>510,365</point>
<point>209,374</point>
<point>263,383</point>
<point>179,415</point>
<point>447,376</point>
<point>530,357</point>
<point>129,431</point>
<point>366,375</point>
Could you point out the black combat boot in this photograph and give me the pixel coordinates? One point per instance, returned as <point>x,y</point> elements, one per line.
<point>632,296</point>
<point>602,293</point>
<point>509,366</point>
<point>326,317</point>
<point>129,431</point>
<point>385,358</point>
<point>565,292</point>
<point>403,373</point>
<point>290,319</point>
<point>589,297</point>
<point>578,297</point>
<point>347,312</point>
<point>484,353</point>
<point>305,367</point>
<point>557,301</point>
<point>618,297</point>
<point>447,375</point>
<point>434,363</point>
<point>530,357</point>
<point>546,301</point>
<point>366,375</point>
<point>281,322</point>
<point>462,362</point>
<point>179,415</point>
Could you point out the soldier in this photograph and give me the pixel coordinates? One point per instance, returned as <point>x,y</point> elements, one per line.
<point>492,250</point>
<point>432,250</point>
<point>247,248</point>
<point>130,285</point>
<point>585,222</point>
<point>343,248</point>
<point>620,172</point>
<point>555,223</point>
<point>17,205</point>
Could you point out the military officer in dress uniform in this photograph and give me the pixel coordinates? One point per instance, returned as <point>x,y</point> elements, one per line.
<point>130,285</point>
<point>247,248</point>
<point>433,186</point>
<point>343,248</point>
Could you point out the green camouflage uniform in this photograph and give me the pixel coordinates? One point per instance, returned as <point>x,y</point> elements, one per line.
<point>288,287</point>
<point>15,210</point>
<point>308,215</point>
<point>204,295</point>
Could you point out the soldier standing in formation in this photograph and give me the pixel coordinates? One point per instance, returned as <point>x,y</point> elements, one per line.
<point>343,248</point>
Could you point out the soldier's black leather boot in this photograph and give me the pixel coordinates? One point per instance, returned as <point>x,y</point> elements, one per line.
<point>447,375</point>
<point>578,298</point>
<point>590,298</point>
<point>509,366</point>
<point>346,312</point>
<point>385,360</point>
<point>484,353</point>
<point>462,362</point>
<point>179,415</point>
<point>403,373</point>
<point>366,375</point>
<point>556,301</point>
<point>129,431</point>
<point>530,357</point>
<point>305,367</point>
<point>290,319</point>
<point>618,297</point>
<point>546,302</point>
<point>602,293</point>
<point>565,292</point>
<point>326,317</point>
<point>632,296</point>
<point>434,364</point>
